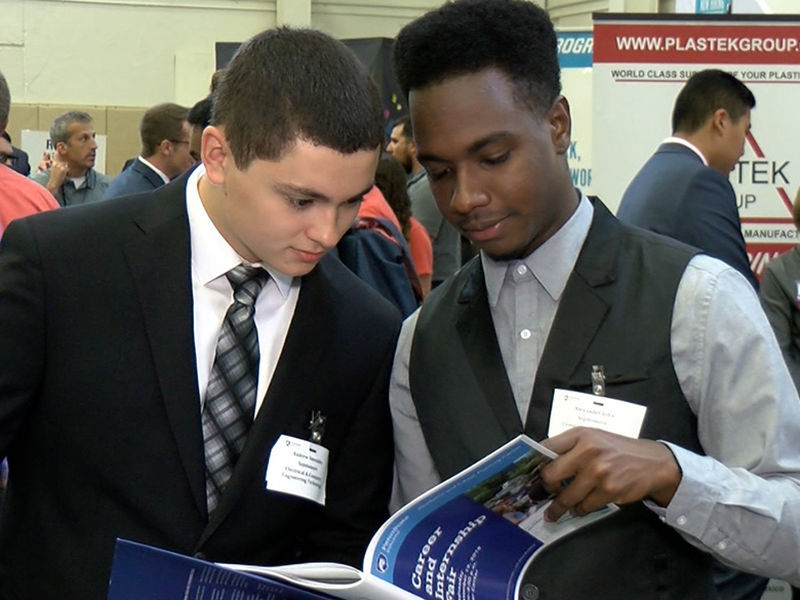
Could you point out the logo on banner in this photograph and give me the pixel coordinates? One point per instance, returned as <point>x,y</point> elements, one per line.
<point>765,184</point>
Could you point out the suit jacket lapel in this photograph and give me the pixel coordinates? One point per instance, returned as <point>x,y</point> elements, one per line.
<point>476,330</point>
<point>159,259</point>
<point>581,311</point>
<point>151,176</point>
<point>298,367</point>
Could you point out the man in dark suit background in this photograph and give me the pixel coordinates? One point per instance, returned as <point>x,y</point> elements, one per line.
<point>166,136</point>
<point>683,190</point>
<point>111,313</point>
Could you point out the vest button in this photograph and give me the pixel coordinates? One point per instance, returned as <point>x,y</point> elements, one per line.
<point>529,592</point>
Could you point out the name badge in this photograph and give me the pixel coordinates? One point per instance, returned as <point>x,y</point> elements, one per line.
<point>298,467</point>
<point>576,409</point>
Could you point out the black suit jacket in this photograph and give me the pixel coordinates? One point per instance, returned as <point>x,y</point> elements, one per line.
<point>137,178</point>
<point>676,195</point>
<point>100,414</point>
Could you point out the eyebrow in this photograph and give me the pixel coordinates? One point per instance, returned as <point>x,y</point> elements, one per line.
<point>473,148</point>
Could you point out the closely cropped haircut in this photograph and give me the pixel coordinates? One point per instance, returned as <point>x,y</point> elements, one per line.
<point>405,122</point>
<point>200,113</point>
<point>59,130</point>
<point>796,210</point>
<point>466,36</point>
<point>390,177</point>
<point>162,122</point>
<point>287,84</point>
<point>5,101</point>
<point>215,77</point>
<point>704,93</point>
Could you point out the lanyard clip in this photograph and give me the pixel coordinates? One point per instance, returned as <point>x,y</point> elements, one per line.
<point>317,426</point>
<point>598,380</point>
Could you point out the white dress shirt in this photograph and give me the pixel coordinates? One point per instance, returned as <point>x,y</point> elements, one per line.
<point>741,502</point>
<point>212,258</point>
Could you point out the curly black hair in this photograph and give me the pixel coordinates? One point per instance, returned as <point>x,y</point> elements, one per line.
<point>466,36</point>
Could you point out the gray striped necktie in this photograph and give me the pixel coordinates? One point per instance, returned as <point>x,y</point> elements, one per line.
<point>231,394</point>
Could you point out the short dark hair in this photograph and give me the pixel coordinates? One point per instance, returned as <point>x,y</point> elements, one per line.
<point>161,122</point>
<point>705,92</point>
<point>390,177</point>
<point>200,113</point>
<point>405,122</point>
<point>5,101</point>
<point>465,36</point>
<point>287,84</point>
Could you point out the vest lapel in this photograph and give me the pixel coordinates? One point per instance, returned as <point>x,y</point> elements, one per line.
<point>159,261</point>
<point>479,340</point>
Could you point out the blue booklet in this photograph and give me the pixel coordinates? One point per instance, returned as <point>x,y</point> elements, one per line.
<point>469,538</point>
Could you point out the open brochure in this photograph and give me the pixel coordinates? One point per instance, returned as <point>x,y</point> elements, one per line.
<point>469,538</point>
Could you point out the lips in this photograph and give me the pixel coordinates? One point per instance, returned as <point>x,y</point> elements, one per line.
<point>310,257</point>
<point>483,232</point>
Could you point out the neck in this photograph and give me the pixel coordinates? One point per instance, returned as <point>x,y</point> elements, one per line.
<point>75,172</point>
<point>159,163</point>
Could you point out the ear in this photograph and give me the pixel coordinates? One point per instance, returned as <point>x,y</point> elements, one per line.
<point>163,148</point>
<point>412,147</point>
<point>215,153</point>
<point>560,124</point>
<point>720,120</point>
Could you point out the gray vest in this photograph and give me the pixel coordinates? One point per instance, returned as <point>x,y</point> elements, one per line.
<point>616,311</point>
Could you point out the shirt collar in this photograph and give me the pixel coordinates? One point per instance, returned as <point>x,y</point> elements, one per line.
<point>415,177</point>
<point>90,180</point>
<point>552,262</point>
<point>158,171</point>
<point>688,144</point>
<point>212,255</point>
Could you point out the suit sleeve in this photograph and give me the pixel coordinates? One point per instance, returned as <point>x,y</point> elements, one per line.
<point>22,323</point>
<point>709,220</point>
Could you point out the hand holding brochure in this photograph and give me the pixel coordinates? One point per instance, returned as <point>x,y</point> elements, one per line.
<point>470,537</point>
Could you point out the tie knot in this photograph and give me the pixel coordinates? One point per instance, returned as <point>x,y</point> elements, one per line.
<point>247,283</point>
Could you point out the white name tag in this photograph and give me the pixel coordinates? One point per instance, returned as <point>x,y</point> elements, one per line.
<point>577,409</point>
<point>298,467</point>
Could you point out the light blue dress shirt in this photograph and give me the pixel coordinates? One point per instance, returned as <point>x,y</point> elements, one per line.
<point>741,502</point>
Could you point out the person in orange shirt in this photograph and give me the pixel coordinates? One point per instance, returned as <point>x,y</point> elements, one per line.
<point>390,178</point>
<point>19,196</point>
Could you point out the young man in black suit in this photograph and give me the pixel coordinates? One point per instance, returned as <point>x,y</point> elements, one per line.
<point>112,357</point>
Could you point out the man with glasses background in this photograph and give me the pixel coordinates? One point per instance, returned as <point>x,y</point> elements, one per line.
<point>165,134</point>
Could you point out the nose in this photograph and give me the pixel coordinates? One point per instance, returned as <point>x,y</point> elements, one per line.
<point>390,147</point>
<point>467,194</point>
<point>324,229</point>
<point>92,143</point>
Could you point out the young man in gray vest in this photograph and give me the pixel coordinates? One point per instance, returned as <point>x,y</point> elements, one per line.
<point>560,289</point>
